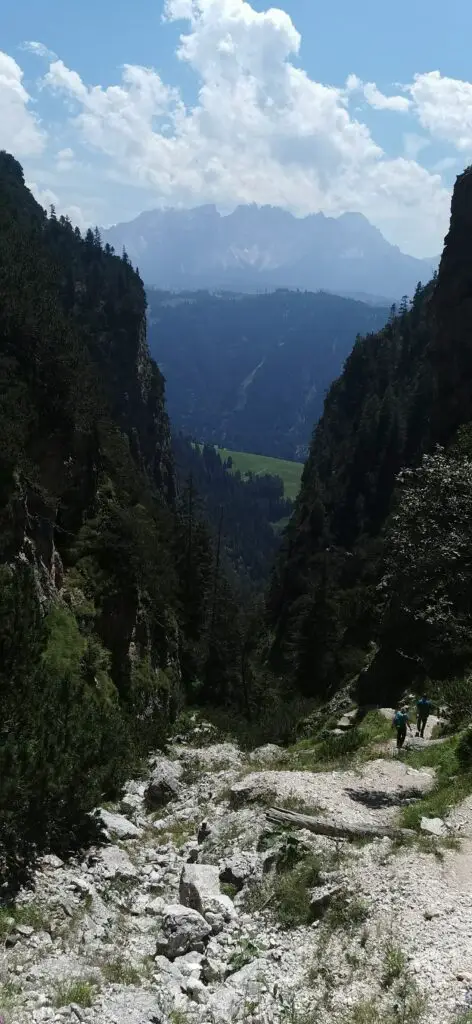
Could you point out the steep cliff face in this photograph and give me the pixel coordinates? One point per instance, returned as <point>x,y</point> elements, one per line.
<point>452,349</point>
<point>91,434</point>
<point>90,610</point>
<point>402,391</point>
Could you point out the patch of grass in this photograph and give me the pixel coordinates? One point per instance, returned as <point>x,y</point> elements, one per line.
<point>120,887</point>
<point>365,1012</point>
<point>464,1018</point>
<point>292,1014</point>
<point>292,891</point>
<point>229,889</point>
<point>345,913</point>
<point>261,465</point>
<point>296,803</point>
<point>120,972</point>
<point>177,832</point>
<point>407,1006</point>
<point>246,952</point>
<point>80,990</point>
<point>452,784</point>
<point>394,965</point>
<point>32,914</point>
<point>9,992</point>
<point>178,1017</point>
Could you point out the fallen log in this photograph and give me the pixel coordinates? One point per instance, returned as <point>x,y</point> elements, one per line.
<point>280,816</point>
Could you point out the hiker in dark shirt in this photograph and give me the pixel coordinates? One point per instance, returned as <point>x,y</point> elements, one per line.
<point>423,711</point>
<point>401,722</point>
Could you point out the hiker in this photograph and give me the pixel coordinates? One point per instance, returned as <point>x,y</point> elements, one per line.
<point>401,722</point>
<point>423,711</point>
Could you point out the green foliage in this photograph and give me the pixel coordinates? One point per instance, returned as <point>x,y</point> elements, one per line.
<point>429,566</point>
<point>261,465</point>
<point>346,913</point>
<point>453,781</point>
<point>246,952</point>
<point>292,892</point>
<point>80,991</point>
<point>120,972</point>
<point>90,681</point>
<point>394,965</point>
<point>247,509</point>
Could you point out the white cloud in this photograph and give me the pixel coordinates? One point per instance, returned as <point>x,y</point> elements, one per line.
<point>378,101</point>
<point>39,49</point>
<point>261,131</point>
<point>413,144</point>
<point>46,197</point>
<point>374,97</point>
<point>20,130</point>
<point>444,108</point>
<point>65,160</point>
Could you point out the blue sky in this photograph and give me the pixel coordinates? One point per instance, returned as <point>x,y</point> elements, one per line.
<point>311,106</point>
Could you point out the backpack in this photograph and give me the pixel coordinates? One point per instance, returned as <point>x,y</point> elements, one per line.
<point>399,719</point>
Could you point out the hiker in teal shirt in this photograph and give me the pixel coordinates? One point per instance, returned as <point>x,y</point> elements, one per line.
<point>401,722</point>
<point>423,710</point>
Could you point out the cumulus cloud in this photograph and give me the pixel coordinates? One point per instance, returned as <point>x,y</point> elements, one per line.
<point>261,130</point>
<point>374,97</point>
<point>20,130</point>
<point>444,108</point>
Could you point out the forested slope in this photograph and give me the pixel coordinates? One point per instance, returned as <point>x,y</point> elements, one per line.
<point>112,602</point>
<point>344,584</point>
<point>250,372</point>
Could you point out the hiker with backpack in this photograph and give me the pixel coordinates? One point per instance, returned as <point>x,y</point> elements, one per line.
<point>401,723</point>
<point>423,711</point>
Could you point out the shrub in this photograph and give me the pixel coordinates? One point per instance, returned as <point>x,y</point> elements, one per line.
<point>394,965</point>
<point>292,890</point>
<point>80,991</point>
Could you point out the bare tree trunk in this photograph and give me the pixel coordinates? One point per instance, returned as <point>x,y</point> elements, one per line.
<point>321,828</point>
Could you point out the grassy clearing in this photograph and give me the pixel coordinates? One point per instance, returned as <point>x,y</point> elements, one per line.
<point>452,785</point>
<point>260,465</point>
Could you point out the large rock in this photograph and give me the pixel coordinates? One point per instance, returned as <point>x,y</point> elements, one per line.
<point>115,863</point>
<point>182,930</point>
<point>434,827</point>
<point>238,869</point>
<point>119,826</point>
<point>270,753</point>
<point>200,890</point>
<point>164,784</point>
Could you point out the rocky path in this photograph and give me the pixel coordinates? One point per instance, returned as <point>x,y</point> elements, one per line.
<point>176,918</point>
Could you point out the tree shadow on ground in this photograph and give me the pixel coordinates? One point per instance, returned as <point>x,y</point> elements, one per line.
<point>377,799</point>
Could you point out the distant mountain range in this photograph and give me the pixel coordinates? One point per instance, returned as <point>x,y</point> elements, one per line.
<point>258,248</point>
<point>250,371</point>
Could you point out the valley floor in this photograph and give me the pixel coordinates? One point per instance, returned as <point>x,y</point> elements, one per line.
<point>140,932</point>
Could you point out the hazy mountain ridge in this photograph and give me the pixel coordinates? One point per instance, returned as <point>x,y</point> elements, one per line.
<point>263,248</point>
<point>251,371</point>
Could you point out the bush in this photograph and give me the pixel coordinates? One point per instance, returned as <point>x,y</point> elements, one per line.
<point>292,891</point>
<point>464,751</point>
